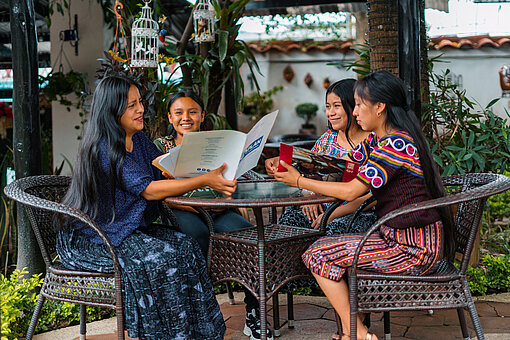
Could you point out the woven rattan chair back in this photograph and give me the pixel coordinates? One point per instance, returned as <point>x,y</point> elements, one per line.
<point>447,287</point>
<point>40,196</point>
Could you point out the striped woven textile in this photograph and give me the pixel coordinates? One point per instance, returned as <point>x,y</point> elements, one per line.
<point>411,251</point>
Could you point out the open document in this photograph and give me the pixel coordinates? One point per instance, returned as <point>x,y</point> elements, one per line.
<point>201,152</point>
<point>317,166</point>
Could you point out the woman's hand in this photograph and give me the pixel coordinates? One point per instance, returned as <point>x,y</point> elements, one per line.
<point>312,211</point>
<point>271,165</point>
<point>317,222</point>
<point>216,181</point>
<point>289,177</point>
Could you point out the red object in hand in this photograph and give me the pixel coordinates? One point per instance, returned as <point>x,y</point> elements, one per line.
<point>285,155</point>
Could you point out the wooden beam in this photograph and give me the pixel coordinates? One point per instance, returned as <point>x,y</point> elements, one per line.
<point>26,132</point>
<point>409,19</point>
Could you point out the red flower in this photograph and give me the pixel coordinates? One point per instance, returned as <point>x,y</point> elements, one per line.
<point>5,110</point>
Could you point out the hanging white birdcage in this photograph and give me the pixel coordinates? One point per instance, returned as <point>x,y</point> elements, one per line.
<point>204,21</point>
<point>144,40</point>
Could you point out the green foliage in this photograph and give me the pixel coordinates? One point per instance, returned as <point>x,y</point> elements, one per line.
<point>224,58</point>
<point>464,140</point>
<point>493,276</point>
<point>17,301</point>
<point>499,205</point>
<point>257,105</point>
<point>361,65</point>
<point>307,111</point>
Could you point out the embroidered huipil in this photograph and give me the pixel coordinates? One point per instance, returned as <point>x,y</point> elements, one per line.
<point>394,156</point>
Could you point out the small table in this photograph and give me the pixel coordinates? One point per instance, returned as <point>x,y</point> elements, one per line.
<point>267,256</point>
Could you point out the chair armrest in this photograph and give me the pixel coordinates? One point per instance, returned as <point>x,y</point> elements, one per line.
<point>328,213</point>
<point>489,184</point>
<point>16,191</point>
<point>358,211</point>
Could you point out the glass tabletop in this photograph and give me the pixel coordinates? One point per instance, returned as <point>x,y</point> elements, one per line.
<point>265,193</point>
<point>265,189</point>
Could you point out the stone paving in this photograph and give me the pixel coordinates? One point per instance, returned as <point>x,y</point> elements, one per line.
<point>315,321</point>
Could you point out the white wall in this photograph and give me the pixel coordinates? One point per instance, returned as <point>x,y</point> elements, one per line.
<point>90,47</point>
<point>296,92</point>
<point>476,71</point>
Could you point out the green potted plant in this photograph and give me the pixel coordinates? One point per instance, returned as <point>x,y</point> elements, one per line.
<point>257,105</point>
<point>307,111</point>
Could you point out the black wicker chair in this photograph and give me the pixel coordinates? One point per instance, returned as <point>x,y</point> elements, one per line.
<point>40,196</point>
<point>446,288</point>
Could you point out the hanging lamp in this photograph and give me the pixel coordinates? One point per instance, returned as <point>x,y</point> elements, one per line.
<point>204,22</point>
<point>144,40</point>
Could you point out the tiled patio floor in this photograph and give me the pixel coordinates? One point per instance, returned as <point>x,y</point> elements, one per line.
<point>315,321</point>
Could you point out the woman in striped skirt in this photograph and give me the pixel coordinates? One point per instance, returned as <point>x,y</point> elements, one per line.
<point>398,169</point>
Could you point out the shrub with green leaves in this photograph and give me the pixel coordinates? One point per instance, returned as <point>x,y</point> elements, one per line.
<point>464,139</point>
<point>17,301</point>
<point>493,276</point>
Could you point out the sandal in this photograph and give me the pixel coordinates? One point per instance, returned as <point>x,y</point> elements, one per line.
<point>369,336</point>
<point>336,336</point>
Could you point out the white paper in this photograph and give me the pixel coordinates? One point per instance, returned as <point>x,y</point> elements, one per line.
<point>201,152</point>
<point>169,160</point>
<point>255,141</point>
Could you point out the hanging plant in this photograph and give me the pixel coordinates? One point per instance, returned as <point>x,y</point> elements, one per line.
<point>57,85</point>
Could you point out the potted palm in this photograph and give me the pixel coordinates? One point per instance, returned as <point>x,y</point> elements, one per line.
<point>307,111</point>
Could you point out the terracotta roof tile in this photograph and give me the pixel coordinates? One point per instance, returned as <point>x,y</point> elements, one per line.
<point>438,43</point>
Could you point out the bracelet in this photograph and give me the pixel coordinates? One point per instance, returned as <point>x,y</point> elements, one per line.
<point>297,181</point>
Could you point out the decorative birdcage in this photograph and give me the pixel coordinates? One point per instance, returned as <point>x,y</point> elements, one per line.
<point>204,20</point>
<point>144,41</point>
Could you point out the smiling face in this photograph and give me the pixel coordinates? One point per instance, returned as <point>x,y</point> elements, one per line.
<point>185,116</point>
<point>370,116</point>
<point>132,119</point>
<point>335,112</point>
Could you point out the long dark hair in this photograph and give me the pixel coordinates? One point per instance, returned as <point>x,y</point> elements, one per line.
<point>384,87</point>
<point>182,94</point>
<point>109,103</point>
<point>345,90</point>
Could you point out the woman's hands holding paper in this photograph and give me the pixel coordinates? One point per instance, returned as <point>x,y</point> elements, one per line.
<point>215,180</point>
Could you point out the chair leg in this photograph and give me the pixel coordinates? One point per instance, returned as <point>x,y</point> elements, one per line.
<point>463,323</point>
<point>230,294</point>
<point>367,320</point>
<point>120,323</point>
<point>387,326</point>
<point>290,308</point>
<point>276,315</point>
<point>338,323</point>
<point>35,317</point>
<point>83,322</point>
<point>475,320</point>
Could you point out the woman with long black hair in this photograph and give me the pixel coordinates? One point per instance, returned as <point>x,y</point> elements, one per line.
<point>343,134</point>
<point>166,289</point>
<point>397,167</point>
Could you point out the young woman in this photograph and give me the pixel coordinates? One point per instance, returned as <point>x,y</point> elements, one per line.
<point>166,289</point>
<point>399,170</point>
<point>185,114</point>
<point>343,135</point>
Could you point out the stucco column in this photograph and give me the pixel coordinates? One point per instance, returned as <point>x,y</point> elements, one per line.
<point>90,47</point>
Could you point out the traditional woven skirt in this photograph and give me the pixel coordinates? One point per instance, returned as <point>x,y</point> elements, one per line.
<point>294,216</point>
<point>411,251</point>
<point>166,289</point>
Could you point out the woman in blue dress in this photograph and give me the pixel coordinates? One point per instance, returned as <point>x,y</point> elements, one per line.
<point>167,293</point>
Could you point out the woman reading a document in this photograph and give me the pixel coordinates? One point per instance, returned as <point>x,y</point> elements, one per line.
<point>166,290</point>
<point>185,114</point>
<point>398,168</point>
